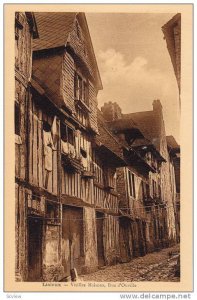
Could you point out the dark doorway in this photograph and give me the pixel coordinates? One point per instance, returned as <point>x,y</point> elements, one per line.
<point>73,239</point>
<point>99,233</point>
<point>35,249</point>
<point>125,238</point>
<point>144,236</point>
<point>142,250</point>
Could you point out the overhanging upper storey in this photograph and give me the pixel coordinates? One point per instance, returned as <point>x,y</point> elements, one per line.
<point>70,30</point>
<point>65,66</point>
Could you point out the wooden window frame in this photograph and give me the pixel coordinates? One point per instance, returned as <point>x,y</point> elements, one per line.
<point>131,184</point>
<point>52,209</point>
<point>154,188</point>
<point>67,133</point>
<point>81,90</point>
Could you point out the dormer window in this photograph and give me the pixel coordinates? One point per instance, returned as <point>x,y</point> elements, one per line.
<point>81,89</point>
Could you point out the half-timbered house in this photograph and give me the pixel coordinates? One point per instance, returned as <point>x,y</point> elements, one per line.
<point>90,185</point>
<point>148,219</point>
<point>71,207</point>
<point>25,32</point>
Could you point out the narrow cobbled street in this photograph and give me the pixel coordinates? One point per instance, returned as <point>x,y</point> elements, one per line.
<point>157,266</point>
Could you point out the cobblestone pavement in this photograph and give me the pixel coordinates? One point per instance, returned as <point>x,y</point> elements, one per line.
<point>157,266</point>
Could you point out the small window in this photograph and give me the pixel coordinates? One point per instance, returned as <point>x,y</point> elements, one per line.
<point>52,214</point>
<point>64,136</point>
<point>46,126</point>
<point>67,134</point>
<point>83,152</point>
<point>81,89</point>
<point>144,192</point>
<point>17,118</point>
<point>154,188</point>
<point>159,191</point>
<point>131,181</point>
<point>70,136</point>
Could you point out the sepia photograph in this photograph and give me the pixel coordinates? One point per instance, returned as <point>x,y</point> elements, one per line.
<point>97,132</point>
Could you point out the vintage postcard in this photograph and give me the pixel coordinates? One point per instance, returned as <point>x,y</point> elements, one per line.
<point>98,148</point>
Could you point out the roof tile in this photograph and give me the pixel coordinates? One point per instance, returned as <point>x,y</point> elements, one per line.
<point>53,29</point>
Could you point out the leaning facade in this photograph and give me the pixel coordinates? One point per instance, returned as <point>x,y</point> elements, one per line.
<point>86,196</point>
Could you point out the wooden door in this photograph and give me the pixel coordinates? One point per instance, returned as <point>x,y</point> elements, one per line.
<point>73,244</point>
<point>100,246</point>
<point>34,249</point>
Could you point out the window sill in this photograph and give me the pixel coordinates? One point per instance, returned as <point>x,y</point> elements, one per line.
<point>82,105</point>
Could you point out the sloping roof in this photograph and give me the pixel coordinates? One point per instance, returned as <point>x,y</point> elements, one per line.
<point>171,142</point>
<point>51,84</point>
<point>143,144</point>
<point>121,124</point>
<point>53,29</point>
<point>146,122</point>
<point>108,140</point>
<point>144,126</point>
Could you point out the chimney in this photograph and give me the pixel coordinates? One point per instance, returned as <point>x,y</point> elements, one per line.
<point>111,111</point>
<point>157,107</point>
